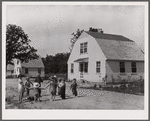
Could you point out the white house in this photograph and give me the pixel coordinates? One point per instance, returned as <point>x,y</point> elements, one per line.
<point>32,68</point>
<point>10,70</point>
<point>17,66</point>
<point>97,56</point>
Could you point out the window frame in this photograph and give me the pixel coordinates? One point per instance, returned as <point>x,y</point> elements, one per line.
<point>83,47</point>
<point>133,67</point>
<point>26,70</point>
<point>39,70</point>
<point>85,67</point>
<point>122,67</point>
<point>98,67</point>
<point>72,68</point>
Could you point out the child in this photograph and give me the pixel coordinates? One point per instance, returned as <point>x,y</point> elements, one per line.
<point>62,89</point>
<point>59,86</point>
<point>36,87</point>
<point>27,84</point>
<point>21,87</point>
<point>52,88</point>
<point>73,87</point>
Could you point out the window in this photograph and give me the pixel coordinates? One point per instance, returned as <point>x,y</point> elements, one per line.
<point>84,67</point>
<point>83,48</point>
<point>133,67</point>
<point>39,70</point>
<point>26,70</point>
<point>72,67</point>
<point>98,65</point>
<point>122,67</point>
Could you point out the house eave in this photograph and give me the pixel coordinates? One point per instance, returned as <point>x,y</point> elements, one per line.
<point>125,60</point>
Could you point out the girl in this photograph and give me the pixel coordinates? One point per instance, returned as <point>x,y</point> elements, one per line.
<point>27,84</point>
<point>73,87</point>
<point>52,88</point>
<point>63,89</point>
<point>21,87</point>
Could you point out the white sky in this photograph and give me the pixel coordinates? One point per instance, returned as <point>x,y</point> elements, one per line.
<point>50,26</point>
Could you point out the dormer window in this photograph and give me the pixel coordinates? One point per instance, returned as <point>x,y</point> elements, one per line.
<point>83,48</point>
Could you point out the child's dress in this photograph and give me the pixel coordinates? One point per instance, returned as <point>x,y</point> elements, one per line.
<point>74,88</point>
<point>27,84</point>
<point>21,88</point>
<point>62,90</point>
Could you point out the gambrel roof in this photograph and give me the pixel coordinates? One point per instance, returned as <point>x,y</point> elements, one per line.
<point>117,47</point>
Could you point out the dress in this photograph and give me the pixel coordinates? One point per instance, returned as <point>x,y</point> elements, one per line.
<point>52,88</point>
<point>20,85</point>
<point>39,80</point>
<point>62,91</point>
<point>74,88</point>
<point>27,84</point>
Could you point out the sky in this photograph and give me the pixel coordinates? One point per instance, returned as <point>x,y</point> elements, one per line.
<point>50,26</point>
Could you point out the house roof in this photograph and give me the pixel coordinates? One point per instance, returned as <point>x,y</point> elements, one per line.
<point>36,63</point>
<point>107,36</point>
<point>116,47</point>
<point>10,67</point>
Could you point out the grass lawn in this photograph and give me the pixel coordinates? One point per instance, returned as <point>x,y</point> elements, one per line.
<point>87,99</point>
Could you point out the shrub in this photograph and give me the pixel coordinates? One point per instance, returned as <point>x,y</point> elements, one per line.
<point>95,85</point>
<point>83,81</point>
<point>9,76</point>
<point>100,86</point>
<point>123,87</point>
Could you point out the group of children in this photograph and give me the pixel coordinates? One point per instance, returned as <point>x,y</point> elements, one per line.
<point>53,84</point>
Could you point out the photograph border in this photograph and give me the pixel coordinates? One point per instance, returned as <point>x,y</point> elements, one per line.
<point>3,113</point>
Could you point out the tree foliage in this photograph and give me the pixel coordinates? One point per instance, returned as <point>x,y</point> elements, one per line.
<point>56,64</point>
<point>76,35</point>
<point>17,45</point>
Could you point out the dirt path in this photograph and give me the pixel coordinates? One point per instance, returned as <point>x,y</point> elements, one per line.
<point>87,99</point>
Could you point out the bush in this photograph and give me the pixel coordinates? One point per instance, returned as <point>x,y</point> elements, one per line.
<point>95,85</point>
<point>123,87</point>
<point>9,76</point>
<point>100,86</point>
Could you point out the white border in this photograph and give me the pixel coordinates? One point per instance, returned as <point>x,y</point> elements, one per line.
<point>74,114</point>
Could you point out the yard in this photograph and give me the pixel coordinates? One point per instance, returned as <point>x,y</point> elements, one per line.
<point>87,99</point>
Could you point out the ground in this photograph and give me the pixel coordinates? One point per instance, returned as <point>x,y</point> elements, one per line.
<point>87,99</point>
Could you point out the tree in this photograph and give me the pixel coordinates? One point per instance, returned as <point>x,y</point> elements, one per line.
<point>56,64</point>
<point>75,37</point>
<point>17,45</point>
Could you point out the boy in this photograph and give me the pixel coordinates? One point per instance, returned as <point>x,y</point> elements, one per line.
<point>73,87</point>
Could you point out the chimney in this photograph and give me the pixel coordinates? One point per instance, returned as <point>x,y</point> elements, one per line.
<point>100,30</point>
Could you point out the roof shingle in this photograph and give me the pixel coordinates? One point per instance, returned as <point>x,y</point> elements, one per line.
<point>36,63</point>
<point>116,47</point>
